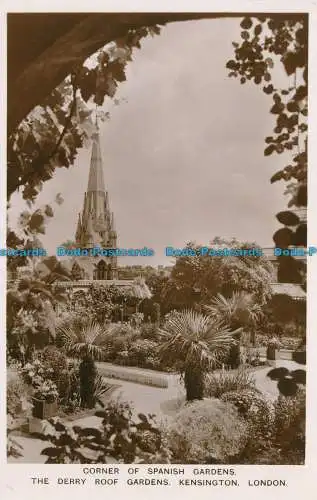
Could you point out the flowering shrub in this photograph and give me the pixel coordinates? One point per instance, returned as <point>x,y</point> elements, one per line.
<point>38,376</point>
<point>274,343</point>
<point>143,353</point>
<point>46,390</point>
<point>15,394</point>
<point>243,400</point>
<point>258,416</point>
<point>56,361</point>
<point>207,431</point>
<point>149,331</point>
<point>141,350</point>
<point>289,426</point>
<point>34,373</point>
<point>275,430</point>
<point>217,384</point>
<point>251,357</point>
<point>289,343</point>
<point>136,319</point>
<point>71,400</point>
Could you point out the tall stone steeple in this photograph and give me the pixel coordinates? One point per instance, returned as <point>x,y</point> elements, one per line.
<point>95,226</point>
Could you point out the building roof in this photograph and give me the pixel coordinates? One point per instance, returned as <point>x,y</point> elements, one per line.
<point>137,287</point>
<point>291,289</point>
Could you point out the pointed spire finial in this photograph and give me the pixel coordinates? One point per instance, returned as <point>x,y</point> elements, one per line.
<point>96,118</point>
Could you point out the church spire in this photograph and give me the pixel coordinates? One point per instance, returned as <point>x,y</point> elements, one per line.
<point>79,228</point>
<point>95,226</point>
<point>96,180</point>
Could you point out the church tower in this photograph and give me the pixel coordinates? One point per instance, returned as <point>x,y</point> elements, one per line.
<point>95,226</point>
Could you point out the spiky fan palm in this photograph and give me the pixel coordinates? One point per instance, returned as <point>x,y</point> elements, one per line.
<point>240,310</point>
<point>86,339</point>
<point>196,342</point>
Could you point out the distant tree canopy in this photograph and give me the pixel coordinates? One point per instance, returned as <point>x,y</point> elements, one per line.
<point>197,279</point>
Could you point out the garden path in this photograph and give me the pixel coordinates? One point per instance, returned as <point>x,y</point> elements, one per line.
<point>267,386</point>
<point>147,399</point>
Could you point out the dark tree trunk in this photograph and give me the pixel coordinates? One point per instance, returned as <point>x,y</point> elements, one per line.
<point>194,382</point>
<point>87,375</point>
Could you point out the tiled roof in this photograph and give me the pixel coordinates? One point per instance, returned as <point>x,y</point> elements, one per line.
<point>137,287</point>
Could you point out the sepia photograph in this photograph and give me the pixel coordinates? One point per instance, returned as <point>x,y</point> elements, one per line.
<point>156,242</point>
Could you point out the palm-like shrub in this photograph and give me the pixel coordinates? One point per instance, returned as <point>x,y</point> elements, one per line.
<point>239,311</point>
<point>86,342</point>
<point>197,344</point>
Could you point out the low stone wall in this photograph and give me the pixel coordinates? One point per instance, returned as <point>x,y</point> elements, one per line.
<point>131,374</point>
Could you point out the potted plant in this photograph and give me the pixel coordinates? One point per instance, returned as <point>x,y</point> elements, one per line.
<point>44,400</point>
<point>272,346</point>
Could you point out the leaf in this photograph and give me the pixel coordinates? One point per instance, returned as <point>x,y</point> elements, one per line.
<point>268,89</point>
<point>283,238</point>
<point>301,93</point>
<point>143,417</point>
<point>277,108</point>
<point>288,218</point>
<point>48,211</point>
<point>290,62</point>
<point>117,70</point>
<point>299,376</point>
<point>301,199</point>
<point>246,23</point>
<point>58,426</point>
<point>232,64</point>
<point>287,386</point>
<point>269,62</point>
<point>101,414</point>
<point>51,452</point>
<point>301,36</point>
<point>300,237</point>
<point>59,199</point>
<point>277,98</point>
<point>278,373</point>
<point>292,107</point>
<point>269,150</point>
<point>258,29</point>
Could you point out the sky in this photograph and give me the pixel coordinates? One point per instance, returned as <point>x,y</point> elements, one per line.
<point>182,152</point>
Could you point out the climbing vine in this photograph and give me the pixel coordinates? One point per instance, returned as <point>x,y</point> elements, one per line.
<point>266,42</point>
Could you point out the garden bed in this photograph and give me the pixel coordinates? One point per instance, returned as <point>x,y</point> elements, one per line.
<point>133,374</point>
